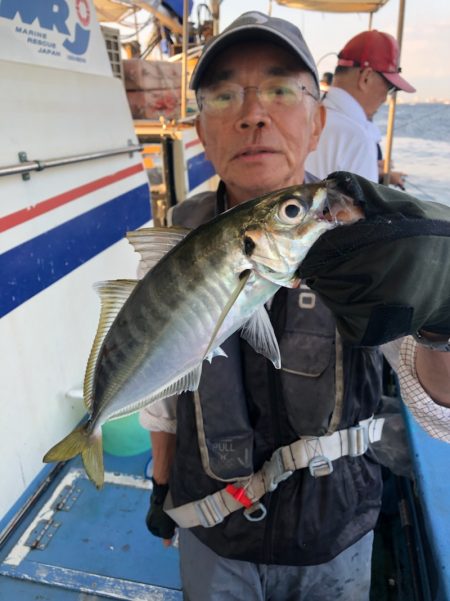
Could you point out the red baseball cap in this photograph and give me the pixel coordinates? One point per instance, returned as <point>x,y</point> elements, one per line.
<point>377,50</point>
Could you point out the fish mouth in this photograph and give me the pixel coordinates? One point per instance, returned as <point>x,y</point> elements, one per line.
<point>342,211</point>
<point>326,212</point>
<point>321,208</point>
<point>335,207</point>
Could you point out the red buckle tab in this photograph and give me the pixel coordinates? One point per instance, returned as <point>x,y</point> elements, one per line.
<point>239,494</point>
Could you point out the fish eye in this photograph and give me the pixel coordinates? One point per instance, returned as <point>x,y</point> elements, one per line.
<point>291,211</point>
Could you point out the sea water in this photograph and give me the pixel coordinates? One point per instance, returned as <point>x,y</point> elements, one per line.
<point>421,148</point>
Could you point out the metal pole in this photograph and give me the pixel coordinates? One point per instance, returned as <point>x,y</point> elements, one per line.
<point>393,100</point>
<point>184,62</point>
<point>34,165</point>
<point>215,11</point>
<point>400,25</point>
<point>136,28</point>
<point>30,502</point>
<point>370,21</point>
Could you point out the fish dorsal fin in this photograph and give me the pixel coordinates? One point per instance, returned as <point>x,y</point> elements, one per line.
<point>258,332</point>
<point>189,381</point>
<point>113,294</point>
<point>242,280</point>
<point>152,243</point>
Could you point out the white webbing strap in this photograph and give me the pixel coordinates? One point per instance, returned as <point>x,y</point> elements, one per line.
<point>315,453</point>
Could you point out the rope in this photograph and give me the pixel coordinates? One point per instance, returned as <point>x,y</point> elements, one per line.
<point>421,190</point>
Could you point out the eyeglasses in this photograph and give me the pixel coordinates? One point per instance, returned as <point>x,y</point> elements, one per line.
<point>390,86</point>
<point>227,98</point>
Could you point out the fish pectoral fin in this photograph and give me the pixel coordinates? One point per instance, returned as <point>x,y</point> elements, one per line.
<point>113,295</point>
<point>88,445</point>
<point>258,332</point>
<point>218,352</point>
<point>242,280</point>
<point>152,243</point>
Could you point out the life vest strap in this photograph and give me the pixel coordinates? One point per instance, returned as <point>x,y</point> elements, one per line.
<point>312,452</point>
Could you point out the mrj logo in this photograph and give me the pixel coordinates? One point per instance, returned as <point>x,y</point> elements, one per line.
<point>51,16</point>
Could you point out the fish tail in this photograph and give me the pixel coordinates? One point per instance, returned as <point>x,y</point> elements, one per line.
<point>84,443</point>
<point>92,456</point>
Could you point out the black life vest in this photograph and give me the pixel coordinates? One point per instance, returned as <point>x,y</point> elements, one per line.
<point>245,409</point>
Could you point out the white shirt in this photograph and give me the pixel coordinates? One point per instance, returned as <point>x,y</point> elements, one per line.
<point>348,141</point>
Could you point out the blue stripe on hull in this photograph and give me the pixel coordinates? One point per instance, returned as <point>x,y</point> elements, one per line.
<point>38,263</point>
<point>199,170</point>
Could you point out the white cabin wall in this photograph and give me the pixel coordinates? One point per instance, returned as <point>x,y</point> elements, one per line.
<point>54,112</point>
<point>44,345</point>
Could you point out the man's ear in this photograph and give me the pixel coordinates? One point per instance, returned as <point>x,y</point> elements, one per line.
<point>319,120</point>
<point>364,78</point>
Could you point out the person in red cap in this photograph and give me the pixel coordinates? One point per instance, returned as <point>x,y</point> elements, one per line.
<point>367,71</point>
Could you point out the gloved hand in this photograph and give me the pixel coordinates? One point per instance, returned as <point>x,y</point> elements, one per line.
<point>157,520</point>
<point>385,276</point>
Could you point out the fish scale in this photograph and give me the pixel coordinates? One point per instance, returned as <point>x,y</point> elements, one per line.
<point>156,333</point>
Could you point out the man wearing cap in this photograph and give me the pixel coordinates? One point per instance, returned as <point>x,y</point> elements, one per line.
<point>367,70</point>
<point>260,516</point>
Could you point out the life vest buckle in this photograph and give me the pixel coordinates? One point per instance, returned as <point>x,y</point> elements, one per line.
<point>320,466</point>
<point>209,512</point>
<point>240,494</point>
<point>250,512</point>
<point>274,471</point>
<point>358,440</point>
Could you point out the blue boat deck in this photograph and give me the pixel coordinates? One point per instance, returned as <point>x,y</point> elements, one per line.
<point>81,543</point>
<point>78,543</point>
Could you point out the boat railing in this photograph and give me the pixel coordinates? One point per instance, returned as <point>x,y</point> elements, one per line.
<point>25,166</point>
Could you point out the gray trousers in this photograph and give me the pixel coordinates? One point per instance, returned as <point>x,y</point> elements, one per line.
<point>208,577</point>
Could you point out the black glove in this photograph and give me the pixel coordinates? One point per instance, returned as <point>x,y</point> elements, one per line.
<point>386,276</point>
<point>157,520</point>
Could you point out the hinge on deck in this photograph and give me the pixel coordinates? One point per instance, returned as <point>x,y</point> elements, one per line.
<point>42,534</point>
<point>67,498</point>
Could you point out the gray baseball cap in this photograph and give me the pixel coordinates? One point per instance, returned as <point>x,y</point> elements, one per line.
<point>250,26</point>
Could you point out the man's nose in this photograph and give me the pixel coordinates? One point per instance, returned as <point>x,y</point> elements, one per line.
<point>253,113</point>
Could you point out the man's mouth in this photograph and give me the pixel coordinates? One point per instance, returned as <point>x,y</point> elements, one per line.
<point>254,151</point>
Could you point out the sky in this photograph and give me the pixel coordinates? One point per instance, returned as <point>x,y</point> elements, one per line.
<point>425,58</point>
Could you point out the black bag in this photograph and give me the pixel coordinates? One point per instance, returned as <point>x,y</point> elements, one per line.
<point>388,275</point>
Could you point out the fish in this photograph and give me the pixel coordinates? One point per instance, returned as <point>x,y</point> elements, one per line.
<point>200,286</point>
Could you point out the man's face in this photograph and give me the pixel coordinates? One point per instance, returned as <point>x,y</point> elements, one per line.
<point>377,89</point>
<point>259,148</point>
